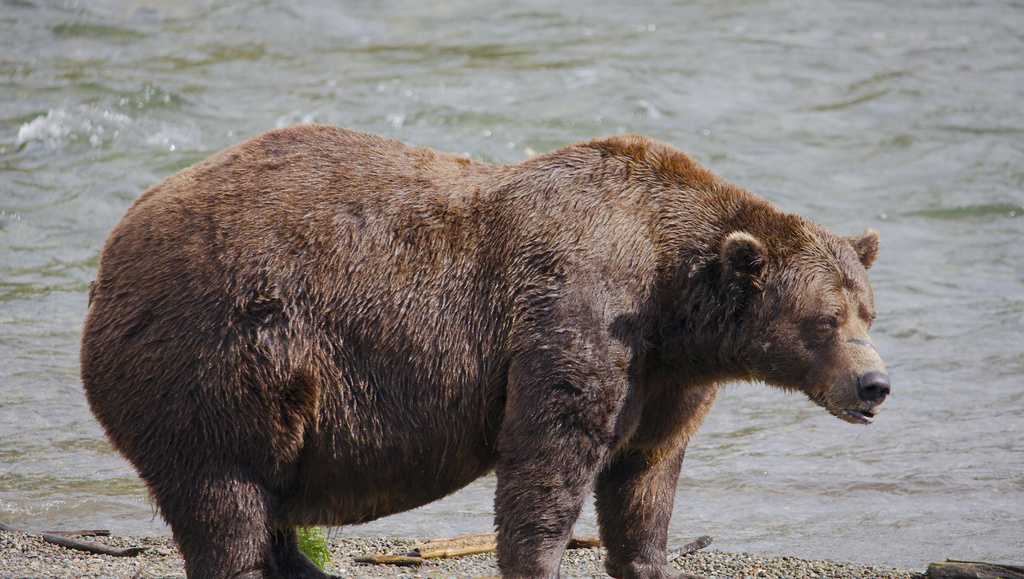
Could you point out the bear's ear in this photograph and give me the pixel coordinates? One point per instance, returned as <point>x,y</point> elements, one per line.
<point>743,257</point>
<point>866,247</point>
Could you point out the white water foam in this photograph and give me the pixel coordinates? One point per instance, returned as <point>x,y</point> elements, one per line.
<point>59,127</point>
<point>99,127</point>
<point>51,129</point>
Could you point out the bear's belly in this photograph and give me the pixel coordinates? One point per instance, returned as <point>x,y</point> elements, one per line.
<point>349,506</point>
<point>342,481</point>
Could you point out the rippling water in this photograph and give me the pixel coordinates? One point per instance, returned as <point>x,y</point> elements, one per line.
<point>903,116</point>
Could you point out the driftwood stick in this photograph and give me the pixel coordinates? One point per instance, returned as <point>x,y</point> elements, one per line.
<point>91,547</point>
<point>691,547</point>
<point>449,552</point>
<point>80,533</point>
<point>458,547</point>
<point>480,543</point>
<point>405,560</point>
<point>584,543</point>
<point>953,569</point>
<point>87,546</point>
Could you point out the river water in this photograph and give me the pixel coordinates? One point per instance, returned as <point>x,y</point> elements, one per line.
<point>902,116</point>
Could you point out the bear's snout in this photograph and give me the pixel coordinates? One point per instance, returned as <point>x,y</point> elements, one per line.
<point>873,387</point>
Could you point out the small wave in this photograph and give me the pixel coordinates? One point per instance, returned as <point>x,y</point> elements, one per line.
<point>99,127</point>
<point>58,127</point>
<point>51,129</point>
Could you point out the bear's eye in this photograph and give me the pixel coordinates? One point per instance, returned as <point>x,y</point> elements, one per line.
<point>830,323</point>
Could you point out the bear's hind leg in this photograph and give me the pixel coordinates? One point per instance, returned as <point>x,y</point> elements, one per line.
<point>543,480</point>
<point>222,525</point>
<point>554,438</point>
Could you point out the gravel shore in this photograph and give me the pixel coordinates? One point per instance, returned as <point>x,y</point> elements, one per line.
<point>24,555</point>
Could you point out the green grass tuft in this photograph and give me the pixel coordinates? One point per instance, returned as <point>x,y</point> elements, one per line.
<point>313,543</point>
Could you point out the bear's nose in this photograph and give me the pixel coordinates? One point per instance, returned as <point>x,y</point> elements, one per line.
<point>873,387</point>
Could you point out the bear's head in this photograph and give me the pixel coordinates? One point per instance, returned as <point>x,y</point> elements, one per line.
<point>808,309</point>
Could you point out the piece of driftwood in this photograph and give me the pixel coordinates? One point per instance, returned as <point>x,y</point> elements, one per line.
<point>454,551</point>
<point>583,543</point>
<point>80,533</point>
<point>460,546</point>
<point>405,560</point>
<point>91,547</point>
<point>486,543</point>
<point>954,569</point>
<point>691,547</point>
<point>480,543</point>
<point>456,546</point>
<point>87,546</point>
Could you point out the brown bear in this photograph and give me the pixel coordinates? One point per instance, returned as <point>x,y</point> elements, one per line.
<point>324,327</point>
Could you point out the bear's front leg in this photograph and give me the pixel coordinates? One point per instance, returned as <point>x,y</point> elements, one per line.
<point>554,438</point>
<point>635,496</point>
<point>636,491</point>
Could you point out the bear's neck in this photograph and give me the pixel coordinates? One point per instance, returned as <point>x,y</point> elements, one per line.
<point>699,323</point>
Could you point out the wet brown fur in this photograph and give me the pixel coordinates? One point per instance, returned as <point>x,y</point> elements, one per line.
<point>323,327</point>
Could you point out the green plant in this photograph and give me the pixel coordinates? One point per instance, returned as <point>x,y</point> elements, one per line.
<point>313,543</point>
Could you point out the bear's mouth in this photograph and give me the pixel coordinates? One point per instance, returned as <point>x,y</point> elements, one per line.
<point>857,416</point>
<point>851,415</point>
